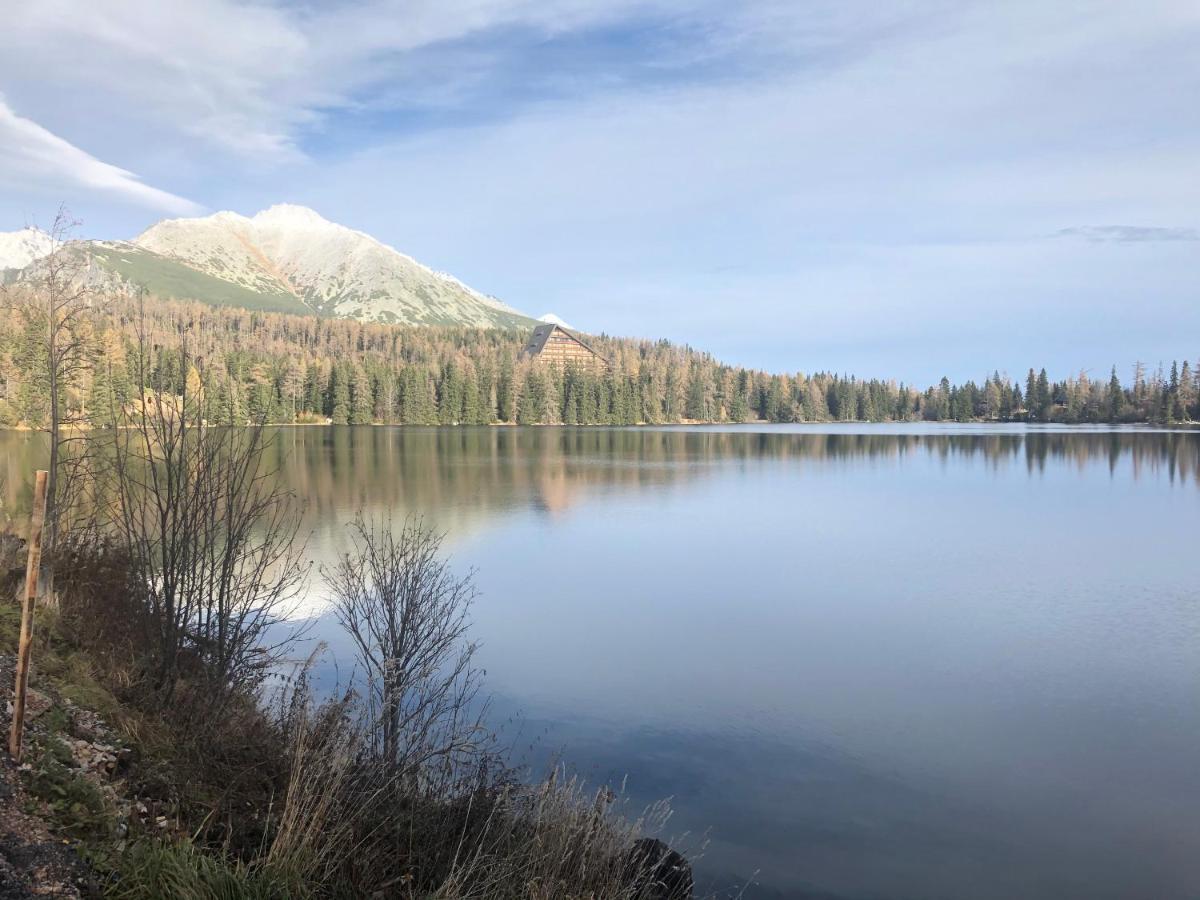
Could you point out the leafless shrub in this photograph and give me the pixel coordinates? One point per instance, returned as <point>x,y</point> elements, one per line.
<point>211,535</point>
<point>435,813</point>
<point>406,612</point>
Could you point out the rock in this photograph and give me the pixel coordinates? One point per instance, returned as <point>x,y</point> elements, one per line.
<point>87,724</point>
<point>36,703</point>
<point>656,872</point>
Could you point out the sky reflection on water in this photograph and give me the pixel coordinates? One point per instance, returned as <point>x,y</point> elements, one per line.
<point>885,662</point>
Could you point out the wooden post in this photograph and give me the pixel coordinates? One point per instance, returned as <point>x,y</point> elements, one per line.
<point>26,646</point>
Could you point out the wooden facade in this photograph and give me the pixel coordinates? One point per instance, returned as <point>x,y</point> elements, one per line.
<point>555,345</point>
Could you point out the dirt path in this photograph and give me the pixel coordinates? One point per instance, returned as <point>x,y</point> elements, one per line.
<point>33,862</point>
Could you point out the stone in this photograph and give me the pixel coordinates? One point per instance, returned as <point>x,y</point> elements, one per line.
<point>36,703</point>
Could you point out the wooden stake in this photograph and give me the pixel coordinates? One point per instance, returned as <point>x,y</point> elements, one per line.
<point>25,648</point>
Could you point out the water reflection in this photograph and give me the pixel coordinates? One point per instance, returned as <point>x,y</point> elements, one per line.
<point>887,662</point>
<point>478,472</point>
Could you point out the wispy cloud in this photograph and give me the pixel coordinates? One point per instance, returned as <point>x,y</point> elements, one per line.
<point>28,152</point>
<point>251,78</point>
<point>259,79</point>
<point>1129,234</point>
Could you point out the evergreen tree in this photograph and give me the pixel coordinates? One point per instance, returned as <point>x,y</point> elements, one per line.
<point>1115,397</point>
<point>1187,392</point>
<point>1042,405</point>
<point>450,396</point>
<point>506,408</point>
<point>699,403</point>
<point>362,403</point>
<point>339,394</point>
<point>528,406</point>
<point>314,391</point>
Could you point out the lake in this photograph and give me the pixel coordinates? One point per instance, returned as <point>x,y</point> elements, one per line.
<point>862,661</point>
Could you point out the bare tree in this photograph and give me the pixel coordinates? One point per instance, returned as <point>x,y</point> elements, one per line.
<point>211,532</point>
<point>407,614</point>
<point>57,301</point>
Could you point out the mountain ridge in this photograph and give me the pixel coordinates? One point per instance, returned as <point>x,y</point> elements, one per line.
<point>285,258</point>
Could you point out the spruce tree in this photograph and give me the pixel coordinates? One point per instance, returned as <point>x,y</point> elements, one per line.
<point>362,403</point>
<point>1031,393</point>
<point>1043,397</point>
<point>1115,398</point>
<point>506,401</point>
<point>339,394</point>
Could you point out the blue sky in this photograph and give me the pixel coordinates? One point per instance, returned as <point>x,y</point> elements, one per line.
<point>899,189</point>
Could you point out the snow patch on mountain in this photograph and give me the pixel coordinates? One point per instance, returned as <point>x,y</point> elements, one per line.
<point>552,319</point>
<point>332,269</point>
<point>20,248</point>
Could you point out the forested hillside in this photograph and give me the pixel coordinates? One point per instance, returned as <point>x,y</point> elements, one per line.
<point>305,369</point>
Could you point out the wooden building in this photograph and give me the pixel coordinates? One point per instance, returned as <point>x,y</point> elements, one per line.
<point>554,344</point>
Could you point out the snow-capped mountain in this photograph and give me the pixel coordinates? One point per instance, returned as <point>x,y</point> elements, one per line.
<point>333,270</point>
<point>552,319</point>
<point>20,248</point>
<point>288,258</point>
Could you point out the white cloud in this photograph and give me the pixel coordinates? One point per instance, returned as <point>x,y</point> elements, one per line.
<point>246,76</point>
<point>30,153</point>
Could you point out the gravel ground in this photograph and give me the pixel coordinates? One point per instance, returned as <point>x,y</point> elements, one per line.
<point>33,863</point>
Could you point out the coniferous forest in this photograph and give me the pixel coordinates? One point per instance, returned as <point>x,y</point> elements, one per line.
<point>283,368</point>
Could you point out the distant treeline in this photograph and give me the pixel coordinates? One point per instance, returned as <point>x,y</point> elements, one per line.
<point>299,369</point>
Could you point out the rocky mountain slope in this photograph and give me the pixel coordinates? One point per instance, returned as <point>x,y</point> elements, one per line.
<point>290,259</point>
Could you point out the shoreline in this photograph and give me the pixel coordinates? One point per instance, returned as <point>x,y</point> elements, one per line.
<point>686,423</point>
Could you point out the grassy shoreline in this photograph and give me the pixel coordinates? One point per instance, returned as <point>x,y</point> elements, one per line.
<point>277,797</point>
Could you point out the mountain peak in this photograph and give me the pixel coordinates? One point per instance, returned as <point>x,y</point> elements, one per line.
<point>290,215</point>
<point>286,258</point>
<point>292,255</point>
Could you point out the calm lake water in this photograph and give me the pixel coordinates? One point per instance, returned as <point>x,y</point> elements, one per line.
<point>864,662</point>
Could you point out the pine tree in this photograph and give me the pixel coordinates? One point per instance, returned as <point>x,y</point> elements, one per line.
<point>339,394</point>
<point>698,406</point>
<point>362,403</point>
<point>314,392</point>
<point>1115,397</point>
<point>1043,397</point>
<point>1187,392</point>
<point>472,406</point>
<point>528,412</point>
<point>450,396</point>
<point>506,400</point>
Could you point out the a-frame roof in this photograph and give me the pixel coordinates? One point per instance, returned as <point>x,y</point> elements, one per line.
<point>542,333</point>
